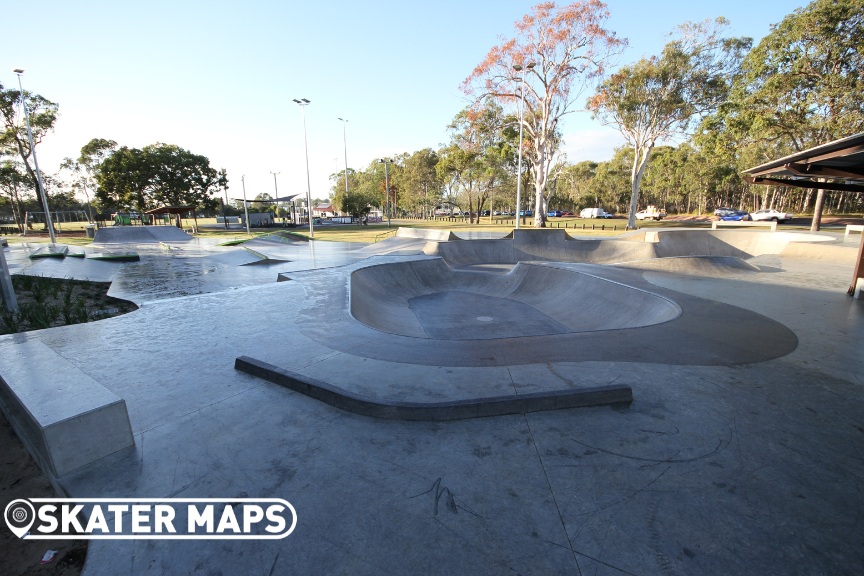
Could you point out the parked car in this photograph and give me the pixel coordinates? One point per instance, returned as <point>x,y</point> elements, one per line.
<point>737,215</point>
<point>526,213</point>
<point>651,213</point>
<point>555,213</point>
<point>566,213</point>
<point>770,215</point>
<point>723,211</point>
<point>594,213</point>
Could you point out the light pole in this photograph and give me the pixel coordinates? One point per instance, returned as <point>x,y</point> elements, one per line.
<point>345,144</point>
<point>518,68</point>
<point>387,161</point>
<point>245,204</point>
<point>276,191</point>
<point>303,102</point>
<point>48,222</point>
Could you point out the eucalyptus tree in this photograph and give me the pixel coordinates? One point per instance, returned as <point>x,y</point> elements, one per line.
<point>13,132</point>
<point>658,98</point>
<point>14,183</point>
<point>561,51</point>
<point>84,167</point>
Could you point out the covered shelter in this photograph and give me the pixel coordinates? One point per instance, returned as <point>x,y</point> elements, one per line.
<point>835,166</point>
<point>168,211</point>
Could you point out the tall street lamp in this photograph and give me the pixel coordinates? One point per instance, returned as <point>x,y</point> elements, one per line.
<point>345,144</point>
<point>387,161</point>
<point>276,191</point>
<point>303,102</point>
<point>518,68</point>
<point>48,222</point>
<point>245,204</point>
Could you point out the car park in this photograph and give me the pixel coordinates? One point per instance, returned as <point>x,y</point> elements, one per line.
<point>771,215</point>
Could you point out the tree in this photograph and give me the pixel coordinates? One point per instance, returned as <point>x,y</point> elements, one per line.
<point>13,134</point>
<point>157,175</point>
<point>83,169</point>
<point>656,99</point>
<point>800,87</point>
<point>355,202</point>
<point>419,181</point>
<point>570,49</point>
<point>12,180</point>
<point>475,162</point>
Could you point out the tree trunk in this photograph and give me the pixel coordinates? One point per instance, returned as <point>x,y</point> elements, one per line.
<point>639,164</point>
<point>539,199</point>
<point>817,213</point>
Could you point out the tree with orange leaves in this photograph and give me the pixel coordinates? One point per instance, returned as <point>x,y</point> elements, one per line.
<point>570,50</point>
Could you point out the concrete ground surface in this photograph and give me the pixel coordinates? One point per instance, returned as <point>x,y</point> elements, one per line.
<point>741,452</point>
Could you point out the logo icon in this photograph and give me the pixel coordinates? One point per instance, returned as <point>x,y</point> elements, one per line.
<point>19,515</point>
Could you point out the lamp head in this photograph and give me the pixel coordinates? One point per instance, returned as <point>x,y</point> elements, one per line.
<point>517,67</point>
<point>18,71</point>
<point>531,65</point>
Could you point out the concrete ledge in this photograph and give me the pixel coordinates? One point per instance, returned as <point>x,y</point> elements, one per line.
<point>64,417</point>
<point>853,228</point>
<point>456,410</point>
<point>739,224</point>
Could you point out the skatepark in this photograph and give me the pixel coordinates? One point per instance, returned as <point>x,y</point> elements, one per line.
<point>666,401</point>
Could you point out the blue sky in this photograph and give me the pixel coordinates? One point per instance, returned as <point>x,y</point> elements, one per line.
<point>218,78</point>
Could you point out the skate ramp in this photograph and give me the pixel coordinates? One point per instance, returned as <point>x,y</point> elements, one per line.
<point>558,246</point>
<point>139,235</point>
<point>695,265</point>
<point>428,299</point>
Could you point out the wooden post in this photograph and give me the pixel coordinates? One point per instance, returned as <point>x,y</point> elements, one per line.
<point>858,274</point>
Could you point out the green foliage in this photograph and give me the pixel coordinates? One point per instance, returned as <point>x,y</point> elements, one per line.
<point>419,181</point>
<point>801,86</point>
<point>478,160</point>
<point>157,175</point>
<point>38,315</point>
<point>10,320</point>
<point>13,134</point>
<point>659,97</point>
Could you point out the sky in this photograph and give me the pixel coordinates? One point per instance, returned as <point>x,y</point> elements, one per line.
<point>218,78</point>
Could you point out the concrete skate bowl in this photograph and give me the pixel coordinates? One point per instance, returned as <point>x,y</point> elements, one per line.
<point>428,299</point>
<point>728,249</point>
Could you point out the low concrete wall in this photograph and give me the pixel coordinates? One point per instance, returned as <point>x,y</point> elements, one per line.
<point>65,418</point>
<point>436,411</point>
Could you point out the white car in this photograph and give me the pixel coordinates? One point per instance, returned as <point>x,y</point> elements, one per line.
<point>770,215</point>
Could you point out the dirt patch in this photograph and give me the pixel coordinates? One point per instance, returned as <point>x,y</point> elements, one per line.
<point>20,477</point>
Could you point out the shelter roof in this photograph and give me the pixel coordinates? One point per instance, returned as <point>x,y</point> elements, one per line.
<point>840,162</point>
<point>269,200</point>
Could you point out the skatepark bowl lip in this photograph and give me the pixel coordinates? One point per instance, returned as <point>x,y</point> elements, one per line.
<point>429,299</point>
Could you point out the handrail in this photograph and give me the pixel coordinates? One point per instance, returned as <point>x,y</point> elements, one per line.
<point>393,231</point>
